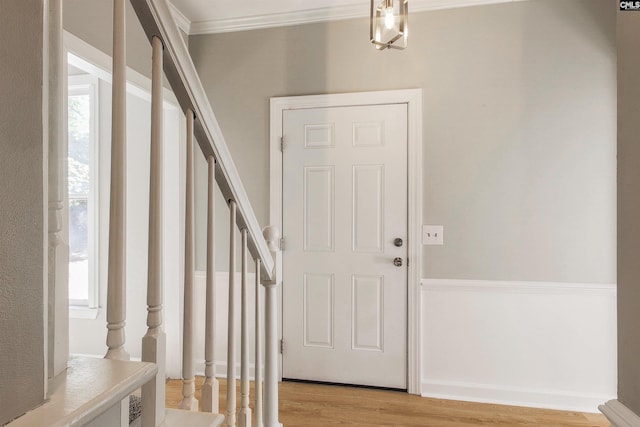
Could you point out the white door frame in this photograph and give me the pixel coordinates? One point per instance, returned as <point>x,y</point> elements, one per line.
<point>413,99</point>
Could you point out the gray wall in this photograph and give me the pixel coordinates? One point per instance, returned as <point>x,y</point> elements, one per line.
<point>519,125</point>
<point>92,21</point>
<point>23,194</point>
<point>628,209</point>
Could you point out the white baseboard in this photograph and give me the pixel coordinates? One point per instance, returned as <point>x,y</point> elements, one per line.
<point>619,415</point>
<point>489,393</point>
<point>221,369</point>
<point>535,344</point>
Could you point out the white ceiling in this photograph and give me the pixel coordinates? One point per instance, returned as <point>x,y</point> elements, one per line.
<point>215,16</point>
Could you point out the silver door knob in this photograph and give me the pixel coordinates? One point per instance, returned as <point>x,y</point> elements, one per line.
<point>397,242</point>
<point>397,262</point>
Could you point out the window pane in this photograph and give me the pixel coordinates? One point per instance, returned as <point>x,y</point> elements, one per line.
<point>78,249</point>
<point>79,174</point>
<point>79,137</point>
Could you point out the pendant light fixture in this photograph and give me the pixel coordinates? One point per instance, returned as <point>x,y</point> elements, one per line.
<point>389,24</point>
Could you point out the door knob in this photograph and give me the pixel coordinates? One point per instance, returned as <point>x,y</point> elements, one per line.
<point>397,262</point>
<point>397,242</point>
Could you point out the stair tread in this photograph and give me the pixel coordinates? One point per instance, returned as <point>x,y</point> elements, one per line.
<point>179,417</point>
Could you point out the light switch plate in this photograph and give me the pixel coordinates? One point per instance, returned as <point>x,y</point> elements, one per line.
<point>433,235</point>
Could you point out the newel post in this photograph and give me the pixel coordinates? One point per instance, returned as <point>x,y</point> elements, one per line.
<point>272,236</point>
<point>58,278</point>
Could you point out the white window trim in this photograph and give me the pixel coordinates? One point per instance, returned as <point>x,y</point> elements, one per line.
<point>88,84</point>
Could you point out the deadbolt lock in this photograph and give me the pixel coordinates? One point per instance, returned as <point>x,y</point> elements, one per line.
<point>398,242</point>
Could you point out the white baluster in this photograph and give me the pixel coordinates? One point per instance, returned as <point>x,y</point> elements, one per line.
<point>245,411</point>
<point>188,401</point>
<point>211,386</point>
<point>258,350</point>
<point>116,284</point>
<point>272,236</point>
<point>116,277</point>
<point>154,342</point>
<point>230,419</point>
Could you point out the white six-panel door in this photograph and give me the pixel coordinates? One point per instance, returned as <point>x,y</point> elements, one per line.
<point>344,206</point>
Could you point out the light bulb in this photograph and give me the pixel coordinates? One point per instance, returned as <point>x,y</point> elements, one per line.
<point>389,19</point>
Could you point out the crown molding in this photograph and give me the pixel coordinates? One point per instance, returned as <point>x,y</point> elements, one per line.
<point>309,16</point>
<point>425,5</point>
<point>284,19</point>
<point>181,21</point>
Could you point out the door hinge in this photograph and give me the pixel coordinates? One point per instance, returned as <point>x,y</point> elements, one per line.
<point>283,144</point>
<point>282,243</point>
<point>281,346</point>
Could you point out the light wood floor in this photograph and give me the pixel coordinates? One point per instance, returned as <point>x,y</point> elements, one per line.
<point>310,405</point>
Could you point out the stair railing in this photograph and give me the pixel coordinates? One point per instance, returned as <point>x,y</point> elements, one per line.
<point>170,58</point>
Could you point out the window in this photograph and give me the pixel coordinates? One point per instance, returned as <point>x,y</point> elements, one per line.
<point>82,170</point>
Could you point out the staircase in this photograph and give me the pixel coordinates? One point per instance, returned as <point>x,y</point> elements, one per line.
<point>95,392</point>
<point>171,58</point>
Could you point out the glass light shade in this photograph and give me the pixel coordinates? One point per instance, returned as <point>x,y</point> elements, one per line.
<point>389,24</point>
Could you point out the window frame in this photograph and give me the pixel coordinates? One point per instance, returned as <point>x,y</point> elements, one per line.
<point>87,84</point>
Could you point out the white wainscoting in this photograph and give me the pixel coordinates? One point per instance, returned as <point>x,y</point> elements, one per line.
<point>538,344</point>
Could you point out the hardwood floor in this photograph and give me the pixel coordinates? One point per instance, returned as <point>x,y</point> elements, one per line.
<point>311,405</point>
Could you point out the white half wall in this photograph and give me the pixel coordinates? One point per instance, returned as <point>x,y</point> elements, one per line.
<point>537,344</point>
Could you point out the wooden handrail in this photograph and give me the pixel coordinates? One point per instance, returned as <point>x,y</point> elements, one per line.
<point>157,20</point>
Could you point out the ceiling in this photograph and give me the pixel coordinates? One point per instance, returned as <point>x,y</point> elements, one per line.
<point>216,16</point>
